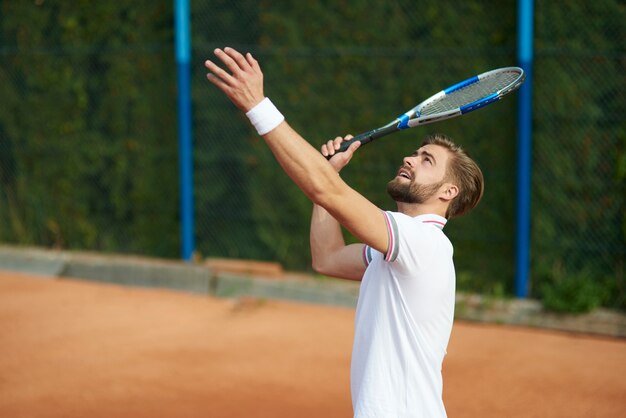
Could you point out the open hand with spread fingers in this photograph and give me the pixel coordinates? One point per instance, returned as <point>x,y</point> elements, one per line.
<point>242,83</point>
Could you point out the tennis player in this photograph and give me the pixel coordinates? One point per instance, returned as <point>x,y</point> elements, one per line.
<point>406,302</point>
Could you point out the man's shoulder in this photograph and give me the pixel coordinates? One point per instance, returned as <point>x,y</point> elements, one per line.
<point>422,228</point>
<point>421,221</point>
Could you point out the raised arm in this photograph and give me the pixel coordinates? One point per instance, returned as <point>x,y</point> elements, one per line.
<point>313,174</point>
<point>329,253</point>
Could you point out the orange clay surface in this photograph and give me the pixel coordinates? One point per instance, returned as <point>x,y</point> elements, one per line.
<point>82,349</point>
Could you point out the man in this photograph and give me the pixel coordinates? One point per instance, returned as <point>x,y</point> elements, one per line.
<point>406,302</point>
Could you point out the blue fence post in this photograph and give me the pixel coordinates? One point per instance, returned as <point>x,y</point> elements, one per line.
<point>524,146</point>
<point>183,59</point>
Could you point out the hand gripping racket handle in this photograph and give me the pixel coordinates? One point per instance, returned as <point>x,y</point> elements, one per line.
<point>366,137</point>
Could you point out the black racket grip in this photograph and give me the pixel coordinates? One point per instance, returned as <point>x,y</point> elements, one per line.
<point>364,138</point>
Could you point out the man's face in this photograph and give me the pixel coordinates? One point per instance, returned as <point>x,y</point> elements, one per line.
<point>421,175</point>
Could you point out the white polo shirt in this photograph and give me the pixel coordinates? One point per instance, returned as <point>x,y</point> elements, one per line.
<point>403,321</point>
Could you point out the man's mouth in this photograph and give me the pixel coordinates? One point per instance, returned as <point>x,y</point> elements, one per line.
<point>404,173</point>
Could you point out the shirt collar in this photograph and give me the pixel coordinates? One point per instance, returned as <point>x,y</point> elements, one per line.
<point>432,219</point>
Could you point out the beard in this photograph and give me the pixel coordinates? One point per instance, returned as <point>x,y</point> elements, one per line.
<point>411,192</point>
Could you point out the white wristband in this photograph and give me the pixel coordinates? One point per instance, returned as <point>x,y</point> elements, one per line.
<point>265,116</point>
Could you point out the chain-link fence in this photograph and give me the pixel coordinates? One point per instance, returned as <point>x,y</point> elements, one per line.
<point>579,172</point>
<point>88,128</point>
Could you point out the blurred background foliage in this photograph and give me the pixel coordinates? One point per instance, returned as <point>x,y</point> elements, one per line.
<point>88,128</point>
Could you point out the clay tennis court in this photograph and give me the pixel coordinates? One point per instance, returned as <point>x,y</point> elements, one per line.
<point>81,349</point>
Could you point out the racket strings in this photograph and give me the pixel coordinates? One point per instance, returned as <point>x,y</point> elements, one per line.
<point>469,94</point>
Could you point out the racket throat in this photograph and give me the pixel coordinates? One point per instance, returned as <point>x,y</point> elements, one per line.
<point>404,121</point>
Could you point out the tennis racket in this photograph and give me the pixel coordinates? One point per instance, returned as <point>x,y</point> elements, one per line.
<point>456,100</point>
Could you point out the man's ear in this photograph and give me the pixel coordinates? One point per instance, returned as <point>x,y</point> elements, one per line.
<point>449,191</point>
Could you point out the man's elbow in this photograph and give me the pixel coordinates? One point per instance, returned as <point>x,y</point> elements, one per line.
<point>328,269</point>
<point>318,266</point>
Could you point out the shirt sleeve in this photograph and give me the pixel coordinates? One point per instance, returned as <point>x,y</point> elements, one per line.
<point>392,232</point>
<point>412,245</point>
<point>367,255</point>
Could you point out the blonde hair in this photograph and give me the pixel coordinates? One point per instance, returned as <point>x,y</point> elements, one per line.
<point>463,172</point>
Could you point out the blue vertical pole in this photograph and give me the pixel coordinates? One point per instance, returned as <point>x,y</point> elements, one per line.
<point>183,59</point>
<point>524,145</point>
